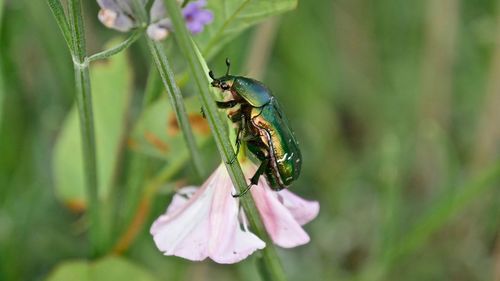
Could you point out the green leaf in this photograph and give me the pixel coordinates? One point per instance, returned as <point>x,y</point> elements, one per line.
<point>232,17</point>
<point>157,132</point>
<point>58,12</point>
<point>111,89</point>
<point>106,269</point>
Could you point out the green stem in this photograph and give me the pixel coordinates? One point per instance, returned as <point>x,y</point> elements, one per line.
<point>176,100</point>
<point>118,48</point>
<point>199,71</point>
<point>2,80</point>
<point>84,103</point>
<point>175,96</point>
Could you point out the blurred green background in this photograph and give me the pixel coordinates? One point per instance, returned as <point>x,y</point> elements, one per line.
<point>396,105</point>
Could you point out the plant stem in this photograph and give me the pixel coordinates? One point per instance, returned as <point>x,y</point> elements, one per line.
<point>118,48</point>
<point>84,103</point>
<point>175,96</point>
<point>199,71</point>
<point>2,81</point>
<point>176,100</point>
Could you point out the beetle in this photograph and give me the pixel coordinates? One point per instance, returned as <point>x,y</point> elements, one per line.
<point>264,127</point>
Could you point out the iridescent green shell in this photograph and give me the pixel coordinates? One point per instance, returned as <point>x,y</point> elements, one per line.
<point>284,152</point>
<point>252,91</point>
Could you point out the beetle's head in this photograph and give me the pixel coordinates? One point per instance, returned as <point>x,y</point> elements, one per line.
<point>224,82</point>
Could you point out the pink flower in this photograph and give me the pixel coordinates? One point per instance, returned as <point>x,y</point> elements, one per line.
<point>283,213</point>
<point>207,221</point>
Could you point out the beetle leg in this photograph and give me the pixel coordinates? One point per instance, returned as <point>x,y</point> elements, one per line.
<point>255,145</point>
<point>203,113</point>
<point>255,178</point>
<point>226,104</point>
<point>235,116</point>
<point>238,144</point>
<point>238,133</point>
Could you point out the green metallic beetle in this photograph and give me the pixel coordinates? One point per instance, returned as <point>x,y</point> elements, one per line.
<point>264,127</point>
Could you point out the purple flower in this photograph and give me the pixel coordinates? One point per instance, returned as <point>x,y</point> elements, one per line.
<point>119,15</point>
<point>196,17</point>
<point>194,14</point>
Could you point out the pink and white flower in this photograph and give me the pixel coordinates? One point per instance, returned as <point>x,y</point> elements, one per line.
<point>208,222</point>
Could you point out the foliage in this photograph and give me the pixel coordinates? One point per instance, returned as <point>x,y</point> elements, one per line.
<point>394,103</point>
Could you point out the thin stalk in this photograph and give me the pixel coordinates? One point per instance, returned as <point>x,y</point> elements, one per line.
<point>84,103</point>
<point>2,91</point>
<point>176,100</point>
<point>199,71</point>
<point>2,80</point>
<point>118,48</point>
<point>173,91</point>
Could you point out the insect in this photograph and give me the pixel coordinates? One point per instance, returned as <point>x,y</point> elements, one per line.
<point>263,126</point>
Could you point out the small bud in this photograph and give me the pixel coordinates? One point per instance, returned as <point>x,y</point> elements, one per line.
<point>157,33</point>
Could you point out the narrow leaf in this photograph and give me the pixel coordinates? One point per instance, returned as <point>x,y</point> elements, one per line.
<point>232,17</point>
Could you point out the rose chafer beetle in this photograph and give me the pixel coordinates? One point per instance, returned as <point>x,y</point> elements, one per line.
<point>263,126</point>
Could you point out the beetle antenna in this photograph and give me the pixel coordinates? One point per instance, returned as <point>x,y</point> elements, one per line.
<point>211,74</point>
<point>228,63</point>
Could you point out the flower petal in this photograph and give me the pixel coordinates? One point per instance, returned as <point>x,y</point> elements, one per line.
<point>179,200</point>
<point>302,210</point>
<point>184,233</point>
<point>157,11</point>
<point>194,27</point>
<point>117,14</point>
<point>205,17</point>
<point>281,225</point>
<point>205,224</point>
<point>157,32</point>
<point>112,19</point>
<point>228,242</point>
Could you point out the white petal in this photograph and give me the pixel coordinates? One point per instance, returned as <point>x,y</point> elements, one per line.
<point>228,242</point>
<point>205,224</point>
<point>185,233</point>
<point>157,32</point>
<point>179,200</point>
<point>284,230</point>
<point>302,210</point>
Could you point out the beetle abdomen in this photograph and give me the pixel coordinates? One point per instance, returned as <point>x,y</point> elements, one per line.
<point>283,149</point>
